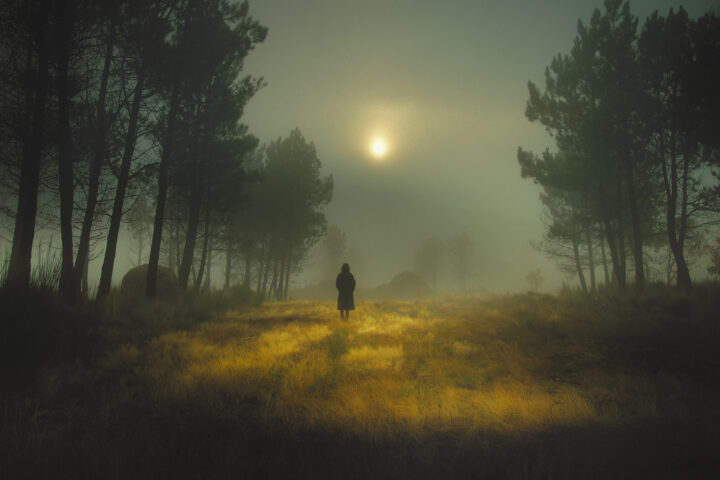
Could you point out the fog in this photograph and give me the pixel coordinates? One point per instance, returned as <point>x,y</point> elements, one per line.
<point>445,83</point>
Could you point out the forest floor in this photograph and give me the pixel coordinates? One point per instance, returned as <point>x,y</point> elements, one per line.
<point>523,386</point>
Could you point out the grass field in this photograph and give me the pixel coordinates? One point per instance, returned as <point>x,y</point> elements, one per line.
<point>524,386</point>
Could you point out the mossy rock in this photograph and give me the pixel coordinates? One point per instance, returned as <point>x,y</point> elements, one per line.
<point>135,281</point>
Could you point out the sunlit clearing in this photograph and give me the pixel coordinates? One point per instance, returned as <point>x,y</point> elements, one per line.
<point>394,367</point>
<point>379,148</point>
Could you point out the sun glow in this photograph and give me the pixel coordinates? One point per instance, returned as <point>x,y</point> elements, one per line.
<point>378,148</point>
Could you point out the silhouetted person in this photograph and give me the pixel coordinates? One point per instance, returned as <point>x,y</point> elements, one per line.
<point>345,283</point>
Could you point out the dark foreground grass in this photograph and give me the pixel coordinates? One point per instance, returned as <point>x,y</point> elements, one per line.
<point>149,444</point>
<point>522,386</point>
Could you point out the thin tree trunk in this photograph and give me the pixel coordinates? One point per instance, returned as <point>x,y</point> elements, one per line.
<point>116,216</point>
<point>24,232</point>
<point>287,274</point>
<point>283,274</point>
<point>274,282</point>
<point>228,262</point>
<point>604,259</point>
<point>683,272</point>
<point>204,253</point>
<point>95,164</point>
<point>578,264</point>
<point>637,233</point>
<point>281,278</point>
<point>266,274</point>
<point>260,270</point>
<point>622,272</point>
<point>167,151</point>
<point>171,250</point>
<point>84,286</point>
<point>591,261</point>
<point>248,268</point>
<point>685,283</point>
<point>208,265</point>
<point>671,186</point>
<point>178,257</point>
<point>261,267</point>
<point>65,161</point>
<point>191,236</point>
<point>607,228</point>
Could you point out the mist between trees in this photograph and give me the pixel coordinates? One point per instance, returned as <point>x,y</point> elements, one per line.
<point>437,266</point>
<point>632,187</point>
<point>131,111</point>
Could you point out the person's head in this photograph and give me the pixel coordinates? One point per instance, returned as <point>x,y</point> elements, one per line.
<point>345,268</point>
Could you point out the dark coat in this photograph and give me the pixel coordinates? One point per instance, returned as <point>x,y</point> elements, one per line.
<point>345,283</point>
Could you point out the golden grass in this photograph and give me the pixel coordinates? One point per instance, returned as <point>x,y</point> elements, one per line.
<point>521,386</point>
<point>394,368</point>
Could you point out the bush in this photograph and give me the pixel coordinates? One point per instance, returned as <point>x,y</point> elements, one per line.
<point>136,318</point>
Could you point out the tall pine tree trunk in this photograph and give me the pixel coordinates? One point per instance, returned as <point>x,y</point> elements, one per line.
<point>178,257</point>
<point>685,283</point>
<point>18,274</point>
<point>637,233</point>
<point>171,251</point>
<point>272,290</point>
<point>261,266</point>
<point>608,231</point>
<point>84,285</point>
<point>167,151</point>
<point>248,268</point>
<point>578,264</point>
<point>95,165</point>
<point>123,179</point>
<point>228,262</point>
<point>204,253</point>
<point>674,240</point>
<point>622,271</point>
<point>287,274</point>
<point>65,161</point>
<point>190,235</point>
<point>281,277</point>
<point>606,273</point>
<point>208,265</point>
<point>591,261</point>
<point>266,274</point>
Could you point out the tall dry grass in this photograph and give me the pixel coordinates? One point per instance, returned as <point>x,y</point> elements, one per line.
<point>397,368</point>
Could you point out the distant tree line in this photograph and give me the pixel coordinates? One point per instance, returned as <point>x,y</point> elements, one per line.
<point>457,252</point>
<point>136,105</point>
<point>635,113</point>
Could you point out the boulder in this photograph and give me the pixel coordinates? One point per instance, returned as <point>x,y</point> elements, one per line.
<point>135,280</point>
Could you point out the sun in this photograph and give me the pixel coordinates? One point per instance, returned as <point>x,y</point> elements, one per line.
<point>379,148</point>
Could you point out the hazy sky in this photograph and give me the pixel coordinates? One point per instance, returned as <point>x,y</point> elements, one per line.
<point>445,83</point>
